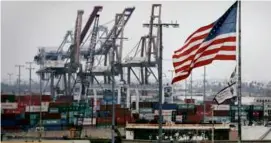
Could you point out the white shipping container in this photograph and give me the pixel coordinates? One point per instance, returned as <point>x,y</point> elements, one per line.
<point>221,107</point>
<point>148,116</point>
<point>167,118</point>
<point>179,118</point>
<point>9,105</point>
<point>164,112</point>
<point>77,97</point>
<point>88,121</point>
<point>46,104</point>
<point>36,109</point>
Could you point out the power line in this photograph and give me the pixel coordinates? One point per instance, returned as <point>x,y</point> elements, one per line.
<point>30,75</point>
<point>19,79</point>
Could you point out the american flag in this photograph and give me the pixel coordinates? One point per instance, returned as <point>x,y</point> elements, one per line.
<point>216,41</point>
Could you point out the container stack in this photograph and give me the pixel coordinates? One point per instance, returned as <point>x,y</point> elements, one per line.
<point>104,116</point>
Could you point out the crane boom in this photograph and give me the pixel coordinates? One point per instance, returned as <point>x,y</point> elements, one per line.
<point>119,25</point>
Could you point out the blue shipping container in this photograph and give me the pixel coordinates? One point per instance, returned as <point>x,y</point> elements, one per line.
<point>8,123</point>
<point>165,106</point>
<point>64,121</point>
<point>104,113</point>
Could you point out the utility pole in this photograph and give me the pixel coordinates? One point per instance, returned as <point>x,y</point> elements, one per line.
<point>40,122</point>
<point>9,78</point>
<point>19,79</point>
<point>160,67</point>
<point>191,86</point>
<point>30,80</point>
<point>204,94</point>
<point>30,75</point>
<point>172,71</point>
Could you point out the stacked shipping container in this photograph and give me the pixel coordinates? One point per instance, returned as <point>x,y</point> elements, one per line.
<point>22,112</point>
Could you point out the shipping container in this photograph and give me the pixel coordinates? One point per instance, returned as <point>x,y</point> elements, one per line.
<point>106,121</point>
<point>19,110</point>
<point>149,116</point>
<point>201,113</point>
<point>68,99</point>
<point>243,107</point>
<point>179,118</point>
<point>258,108</point>
<point>35,108</point>
<point>200,108</point>
<point>53,110</point>
<point>11,128</point>
<point>221,119</point>
<point>221,113</point>
<point>46,98</point>
<point>51,122</point>
<point>195,119</point>
<point>164,112</point>
<point>8,116</point>
<point>51,115</point>
<point>8,123</point>
<point>109,107</point>
<point>22,122</point>
<point>185,106</point>
<point>142,105</point>
<point>64,115</point>
<point>9,105</point>
<point>89,121</point>
<point>165,106</point>
<point>104,114</point>
<point>221,107</point>
<point>145,110</point>
<point>7,98</point>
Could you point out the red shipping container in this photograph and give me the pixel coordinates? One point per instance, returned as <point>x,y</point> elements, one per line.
<point>194,119</point>
<point>59,104</point>
<point>221,113</point>
<point>19,110</point>
<point>46,98</point>
<point>201,113</point>
<point>23,122</point>
<point>200,108</point>
<point>8,116</point>
<point>47,115</point>
<point>12,128</point>
<point>64,99</point>
<point>121,121</point>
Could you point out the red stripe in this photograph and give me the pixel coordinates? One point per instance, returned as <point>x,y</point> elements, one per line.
<point>218,41</point>
<point>202,63</point>
<point>179,78</point>
<point>210,52</point>
<point>213,51</point>
<point>225,57</point>
<point>193,40</point>
<point>200,30</point>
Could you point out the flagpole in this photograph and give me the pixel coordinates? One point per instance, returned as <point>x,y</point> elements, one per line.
<point>204,94</point>
<point>239,72</point>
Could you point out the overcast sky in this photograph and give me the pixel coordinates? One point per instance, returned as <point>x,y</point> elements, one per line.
<point>28,25</point>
